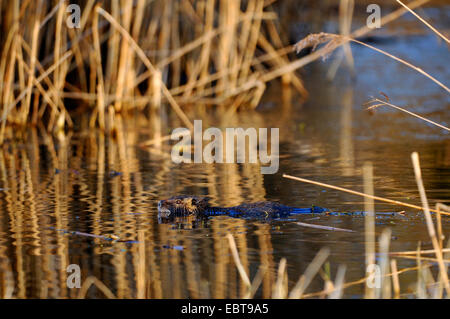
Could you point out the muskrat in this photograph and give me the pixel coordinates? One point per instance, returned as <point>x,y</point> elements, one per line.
<point>196,206</point>
<point>188,205</point>
<point>181,206</point>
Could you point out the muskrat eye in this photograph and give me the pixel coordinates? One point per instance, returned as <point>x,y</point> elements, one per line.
<point>194,201</point>
<point>178,202</point>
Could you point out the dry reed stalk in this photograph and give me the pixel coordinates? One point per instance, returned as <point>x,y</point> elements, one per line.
<point>384,242</point>
<point>101,106</point>
<point>7,48</point>
<point>99,72</point>
<point>147,63</point>
<point>256,283</point>
<point>242,42</point>
<point>92,78</point>
<point>395,280</point>
<point>87,10</point>
<point>31,72</point>
<point>227,9</point>
<point>430,225</point>
<point>201,69</point>
<point>424,22</point>
<point>414,252</point>
<point>251,43</point>
<point>441,236</point>
<point>138,19</point>
<point>380,103</point>
<point>237,261</point>
<point>446,256</point>
<point>369,223</point>
<point>328,289</point>
<point>310,272</point>
<point>275,37</point>
<point>125,54</point>
<point>337,291</point>
<point>163,41</point>
<point>20,72</point>
<point>420,286</point>
<point>280,289</point>
<point>58,48</point>
<point>155,107</point>
<point>8,79</point>
<point>113,51</point>
<point>175,42</point>
<point>358,193</point>
<point>257,95</point>
<point>434,260</point>
<point>324,227</point>
<point>206,49</point>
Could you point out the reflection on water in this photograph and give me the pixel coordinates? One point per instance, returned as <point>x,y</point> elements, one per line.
<point>55,191</point>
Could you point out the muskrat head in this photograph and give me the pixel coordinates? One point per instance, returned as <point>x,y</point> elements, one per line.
<point>182,206</point>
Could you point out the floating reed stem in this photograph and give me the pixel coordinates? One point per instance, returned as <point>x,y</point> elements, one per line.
<point>391,201</point>
<point>380,103</point>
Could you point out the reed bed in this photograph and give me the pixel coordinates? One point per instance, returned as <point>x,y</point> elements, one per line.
<point>128,55</point>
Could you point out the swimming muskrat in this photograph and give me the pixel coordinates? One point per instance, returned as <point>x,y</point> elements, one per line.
<point>187,205</point>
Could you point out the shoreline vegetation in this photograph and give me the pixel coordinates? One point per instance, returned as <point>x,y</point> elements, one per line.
<point>157,59</point>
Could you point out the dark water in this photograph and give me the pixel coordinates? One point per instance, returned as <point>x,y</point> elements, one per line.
<point>102,185</point>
